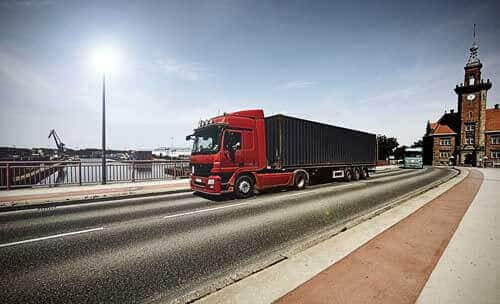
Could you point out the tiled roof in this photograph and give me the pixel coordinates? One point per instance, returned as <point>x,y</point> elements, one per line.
<point>492,120</point>
<point>442,129</point>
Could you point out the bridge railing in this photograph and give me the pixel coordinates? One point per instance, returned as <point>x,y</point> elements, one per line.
<point>22,174</point>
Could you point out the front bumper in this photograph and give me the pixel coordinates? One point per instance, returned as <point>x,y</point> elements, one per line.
<point>413,165</point>
<point>201,184</point>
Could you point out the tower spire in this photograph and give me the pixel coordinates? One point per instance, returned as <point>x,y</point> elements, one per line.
<point>473,56</point>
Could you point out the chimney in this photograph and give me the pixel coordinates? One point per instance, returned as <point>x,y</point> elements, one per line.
<point>496,106</point>
<point>452,111</point>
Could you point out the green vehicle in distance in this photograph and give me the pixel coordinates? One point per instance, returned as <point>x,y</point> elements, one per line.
<point>413,158</point>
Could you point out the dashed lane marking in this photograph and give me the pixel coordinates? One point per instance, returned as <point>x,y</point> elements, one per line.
<point>204,210</point>
<point>50,237</point>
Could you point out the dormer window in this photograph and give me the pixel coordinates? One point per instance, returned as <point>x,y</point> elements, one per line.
<point>471,80</point>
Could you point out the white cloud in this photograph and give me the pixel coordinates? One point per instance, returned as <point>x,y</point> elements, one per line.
<point>22,74</point>
<point>298,84</point>
<point>185,71</point>
<point>26,3</point>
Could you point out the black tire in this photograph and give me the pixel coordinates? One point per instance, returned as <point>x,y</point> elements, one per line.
<point>244,186</point>
<point>347,175</point>
<point>300,181</point>
<point>355,174</point>
<point>367,173</point>
<point>363,173</point>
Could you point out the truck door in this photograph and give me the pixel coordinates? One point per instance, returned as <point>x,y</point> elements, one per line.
<point>232,156</point>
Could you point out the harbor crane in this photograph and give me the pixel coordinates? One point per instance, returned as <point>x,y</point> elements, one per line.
<point>61,173</point>
<point>60,145</point>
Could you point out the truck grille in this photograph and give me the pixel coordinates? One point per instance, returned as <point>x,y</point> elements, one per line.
<point>202,169</point>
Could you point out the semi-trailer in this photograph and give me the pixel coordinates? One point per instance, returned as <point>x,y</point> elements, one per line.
<point>244,151</point>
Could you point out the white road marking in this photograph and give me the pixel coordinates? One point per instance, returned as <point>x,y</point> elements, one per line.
<point>50,237</point>
<point>204,210</point>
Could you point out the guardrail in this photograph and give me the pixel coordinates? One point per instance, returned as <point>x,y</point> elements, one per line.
<point>21,174</point>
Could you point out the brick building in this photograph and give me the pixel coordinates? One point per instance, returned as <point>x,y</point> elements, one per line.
<point>470,136</point>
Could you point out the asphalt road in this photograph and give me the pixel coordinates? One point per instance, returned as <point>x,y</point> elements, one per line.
<point>175,247</point>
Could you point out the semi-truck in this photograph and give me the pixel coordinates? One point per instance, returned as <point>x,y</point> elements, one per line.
<point>413,158</point>
<point>244,151</point>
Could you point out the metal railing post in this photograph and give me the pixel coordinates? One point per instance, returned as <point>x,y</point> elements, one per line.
<point>133,171</point>
<point>8,176</point>
<point>175,171</point>
<point>80,173</point>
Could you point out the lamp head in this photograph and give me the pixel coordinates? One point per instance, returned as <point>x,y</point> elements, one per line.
<point>105,59</point>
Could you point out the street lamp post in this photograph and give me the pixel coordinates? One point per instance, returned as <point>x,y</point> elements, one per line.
<point>105,60</point>
<point>104,170</point>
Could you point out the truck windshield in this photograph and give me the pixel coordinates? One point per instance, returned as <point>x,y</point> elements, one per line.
<point>413,154</point>
<point>207,140</point>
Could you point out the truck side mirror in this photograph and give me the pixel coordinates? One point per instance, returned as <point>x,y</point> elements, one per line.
<point>236,146</point>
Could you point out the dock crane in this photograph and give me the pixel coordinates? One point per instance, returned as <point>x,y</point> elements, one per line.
<point>62,154</point>
<point>60,145</point>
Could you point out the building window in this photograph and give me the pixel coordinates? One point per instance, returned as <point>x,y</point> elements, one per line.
<point>445,141</point>
<point>469,115</point>
<point>495,154</point>
<point>470,133</point>
<point>444,154</point>
<point>469,127</point>
<point>495,140</point>
<point>471,80</point>
<point>469,140</point>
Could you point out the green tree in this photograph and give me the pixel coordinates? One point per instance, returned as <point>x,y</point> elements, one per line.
<point>399,152</point>
<point>418,143</point>
<point>386,146</point>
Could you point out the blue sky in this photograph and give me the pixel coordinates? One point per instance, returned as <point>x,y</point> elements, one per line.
<point>384,67</point>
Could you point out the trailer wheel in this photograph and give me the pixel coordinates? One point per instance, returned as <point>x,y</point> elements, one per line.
<point>355,174</point>
<point>347,175</point>
<point>244,186</point>
<point>367,173</point>
<point>363,173</point>
<point>299,180</point>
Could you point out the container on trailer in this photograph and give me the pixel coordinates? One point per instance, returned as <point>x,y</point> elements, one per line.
<point>297,143</point>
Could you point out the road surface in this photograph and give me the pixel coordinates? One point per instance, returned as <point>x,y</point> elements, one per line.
<point>175,247</point>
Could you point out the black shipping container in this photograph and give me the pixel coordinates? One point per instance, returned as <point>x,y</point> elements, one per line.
<point>297,143</point>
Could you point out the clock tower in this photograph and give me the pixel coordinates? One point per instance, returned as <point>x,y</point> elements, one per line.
<point>472,94</point>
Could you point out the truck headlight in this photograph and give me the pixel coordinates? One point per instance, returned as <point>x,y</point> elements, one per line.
<point>211,181</point>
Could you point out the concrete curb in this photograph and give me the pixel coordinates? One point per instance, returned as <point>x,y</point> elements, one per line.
<point>83,199</point>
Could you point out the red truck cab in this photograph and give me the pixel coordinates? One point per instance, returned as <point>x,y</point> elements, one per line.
<point>230,150</point>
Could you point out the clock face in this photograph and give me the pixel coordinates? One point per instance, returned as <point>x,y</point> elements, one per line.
<point>471,96</point>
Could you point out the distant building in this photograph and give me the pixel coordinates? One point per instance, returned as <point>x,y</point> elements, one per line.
<point>172,152</point>
<point>470,136</point>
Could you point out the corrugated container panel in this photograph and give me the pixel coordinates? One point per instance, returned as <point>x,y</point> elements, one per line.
<point>294,142</point>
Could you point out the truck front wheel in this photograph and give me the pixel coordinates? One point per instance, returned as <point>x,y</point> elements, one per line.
<point>300,180</point>
<point>244,186</point>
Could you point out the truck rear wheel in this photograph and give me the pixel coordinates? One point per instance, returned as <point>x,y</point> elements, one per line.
<point>363,173</point>
<point>244,186</point>
<point>299,180</point>
<point>347,175</point>
<point>356,174</point>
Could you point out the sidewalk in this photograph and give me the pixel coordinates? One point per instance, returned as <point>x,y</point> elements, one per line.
<point>469,270</point>
<point>390,257</point>
<point>29,197</point>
